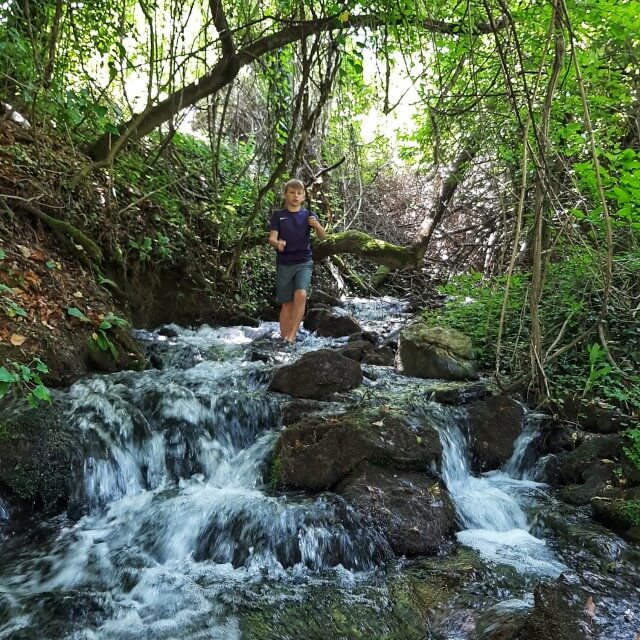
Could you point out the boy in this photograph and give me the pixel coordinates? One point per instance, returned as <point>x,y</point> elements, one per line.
<point>289,235</point>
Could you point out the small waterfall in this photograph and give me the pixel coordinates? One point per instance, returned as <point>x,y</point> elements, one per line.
<point>179,514</point>
<point>489,507</point>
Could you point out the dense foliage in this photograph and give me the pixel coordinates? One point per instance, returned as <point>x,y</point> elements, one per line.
<point>514,156</point>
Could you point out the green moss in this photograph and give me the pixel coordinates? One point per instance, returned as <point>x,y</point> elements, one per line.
<point>405,606</point>
<point>362,244</point>
<point>275,473</point>
<point>380,276</point>
<point>627,511</point>
<point>328,614</point>
<point>39,461</point>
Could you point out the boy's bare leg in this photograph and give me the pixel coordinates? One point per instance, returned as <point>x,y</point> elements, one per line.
<point>299,303</point>
<point>286,312</point>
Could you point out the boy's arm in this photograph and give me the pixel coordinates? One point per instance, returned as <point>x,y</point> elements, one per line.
<point>314,223</point>
<point>278,245</point>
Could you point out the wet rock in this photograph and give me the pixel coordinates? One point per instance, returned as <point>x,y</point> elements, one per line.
<point>577,466</point>
<point>559,436</point>
<point>502,621</point>
<point>621,515</point>
<point>582,494</point>
<point>457,394</point>
<point>233,318</point>
<point>40,460</point>
<point>237,536</point>
<point>168,331</point>
<point>590,416</point>
<point>317,375</point>
<point>580,535</point>
<point>364,335</point>
<point>332,323</point>
<point>412,510</point>
<point>296,410</point>
<point>436,352</point>
<point>182,449</point>
<point>380,357</point>
<point>554,616</point>
<point>493,426</point>
<point>265,350</point>
<point>317,452</point>
<point>356,350</point>
<point>320,297</point>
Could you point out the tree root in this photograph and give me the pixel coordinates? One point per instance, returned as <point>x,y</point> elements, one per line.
<point>73,240</point>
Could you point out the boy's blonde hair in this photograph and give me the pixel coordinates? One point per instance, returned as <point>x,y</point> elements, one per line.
<point>294,183</point>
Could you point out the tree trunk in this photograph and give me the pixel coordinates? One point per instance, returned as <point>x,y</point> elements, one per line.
<point>363,245</point>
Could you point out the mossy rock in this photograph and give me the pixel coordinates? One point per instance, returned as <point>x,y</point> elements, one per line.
<point>436,352</point>
<point>40,459</point>
<point>622,515</point>
<point>318,452</point>
<point>407,605</point>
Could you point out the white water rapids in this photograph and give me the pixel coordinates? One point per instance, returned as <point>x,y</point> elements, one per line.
<point>181,523</point>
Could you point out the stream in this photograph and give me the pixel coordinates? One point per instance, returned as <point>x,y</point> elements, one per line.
<point>183,537</point>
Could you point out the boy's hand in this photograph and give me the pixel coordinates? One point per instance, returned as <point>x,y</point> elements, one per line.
<point>313,221</point>
<point>281,245</point>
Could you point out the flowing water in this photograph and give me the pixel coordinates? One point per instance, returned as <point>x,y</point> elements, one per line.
<point>181,536</point>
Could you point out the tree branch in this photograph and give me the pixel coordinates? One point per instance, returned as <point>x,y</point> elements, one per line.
<point>228,67</point>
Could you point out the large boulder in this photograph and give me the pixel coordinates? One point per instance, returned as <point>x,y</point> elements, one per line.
<point>318,452</point>
<point>317,375</point>
<point>584,462</point>
<point>493,426</point>
<point>554,616</point>
<point>331,323</point>
<point>320,297</point>
<point>593,417</point>
<point>41,464</point>
<point>621,515</point>
<point>588,470</point>
<point>412,510</point>
<point>436,352</point>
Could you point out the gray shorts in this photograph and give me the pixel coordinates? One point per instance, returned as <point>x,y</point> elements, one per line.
<point>290,278</point>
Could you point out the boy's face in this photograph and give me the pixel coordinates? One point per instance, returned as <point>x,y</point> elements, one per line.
<point>294,197</point>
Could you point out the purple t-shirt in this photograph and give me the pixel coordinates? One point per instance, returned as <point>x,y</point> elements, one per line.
<point>293,227</point>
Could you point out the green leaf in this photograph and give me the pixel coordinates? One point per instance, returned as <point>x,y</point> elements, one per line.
<point>76,313</point>
<point>117,320</point>
<point>42,393</point>
<point>101,340</point>
<point>102,280</point>
<point>4,388</point>
<point>105,325</point>
<point>41,366</point>
<point>50,264</point>
<point>112,349</point>
<point>7,376</point>
<point>26,372</point>
<point>3,255</point>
